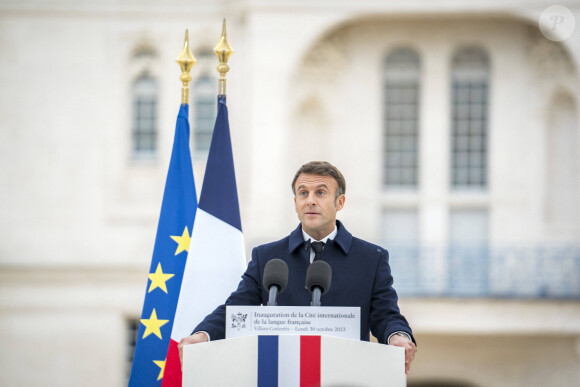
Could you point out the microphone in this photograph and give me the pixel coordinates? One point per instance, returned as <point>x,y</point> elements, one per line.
<point>275,278</point>
<point>318,279</point>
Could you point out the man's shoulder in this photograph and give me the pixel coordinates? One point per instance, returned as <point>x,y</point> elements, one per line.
<point>361,244</point>
<point>272,249</point>
<point>351,244</point>
<point>275,245</point>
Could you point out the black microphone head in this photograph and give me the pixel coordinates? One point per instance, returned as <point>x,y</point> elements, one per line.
<point>275,273</point>
<point>319,274</point>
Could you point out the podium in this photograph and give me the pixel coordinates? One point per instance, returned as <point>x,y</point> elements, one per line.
<point>293,361</point>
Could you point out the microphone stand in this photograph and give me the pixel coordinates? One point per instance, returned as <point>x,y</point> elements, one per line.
<point>273,295</point>
<point>316,294</point>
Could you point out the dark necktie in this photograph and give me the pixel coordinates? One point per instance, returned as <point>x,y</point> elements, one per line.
<point>317,247</point>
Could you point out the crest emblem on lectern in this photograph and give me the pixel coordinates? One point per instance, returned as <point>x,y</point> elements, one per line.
<point>239,320</point>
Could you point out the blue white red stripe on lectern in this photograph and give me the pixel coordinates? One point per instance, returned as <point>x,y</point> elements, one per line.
<point>289,361</point>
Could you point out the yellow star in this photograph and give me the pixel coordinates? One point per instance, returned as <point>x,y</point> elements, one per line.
<point>158,279</point>
<point>152,325</point>
<point>183,241</point>
<point>160,364</point>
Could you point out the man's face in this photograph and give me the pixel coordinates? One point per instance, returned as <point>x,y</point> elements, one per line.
<point>316,205</point>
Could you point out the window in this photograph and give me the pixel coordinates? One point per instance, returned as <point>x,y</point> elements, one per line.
<point>470,89</point>
<point>132,328</point>
<point>205,106</point>
<point>204,102</point>
<point>144,132</point>
<point>401,107</point>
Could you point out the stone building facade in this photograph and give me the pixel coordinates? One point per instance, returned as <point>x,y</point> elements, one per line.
<point>456,124</point>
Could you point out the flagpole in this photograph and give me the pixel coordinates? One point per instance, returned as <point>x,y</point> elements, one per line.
<point>223,51</point>
<point>186,60</point>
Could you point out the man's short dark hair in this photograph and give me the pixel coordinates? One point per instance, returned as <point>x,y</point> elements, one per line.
<point>322,168</point>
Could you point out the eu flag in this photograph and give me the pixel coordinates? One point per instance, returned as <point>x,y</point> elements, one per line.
<point>167,265</point>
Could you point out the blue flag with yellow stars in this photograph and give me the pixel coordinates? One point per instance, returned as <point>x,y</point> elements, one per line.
<point>169,255</point>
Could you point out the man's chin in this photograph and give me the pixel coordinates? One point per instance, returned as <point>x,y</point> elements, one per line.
<point>313,228</point>
<point>308,225</point>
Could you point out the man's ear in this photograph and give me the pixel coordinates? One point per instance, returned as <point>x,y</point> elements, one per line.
<point>340,202</point>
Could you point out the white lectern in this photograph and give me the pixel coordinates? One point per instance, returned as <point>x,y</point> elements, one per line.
<point>293,361</point>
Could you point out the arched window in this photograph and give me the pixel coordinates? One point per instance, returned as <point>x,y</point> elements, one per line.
<point>470,99</point>
<point>401,121</point>
<point>145,104</point>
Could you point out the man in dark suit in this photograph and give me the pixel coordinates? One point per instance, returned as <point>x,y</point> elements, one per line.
<point>361,276</point>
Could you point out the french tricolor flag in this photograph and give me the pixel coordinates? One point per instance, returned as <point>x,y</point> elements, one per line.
<point>216,254</point>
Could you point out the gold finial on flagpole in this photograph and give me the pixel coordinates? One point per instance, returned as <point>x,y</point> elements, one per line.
<point>186,61</point>
<point>223,51</point>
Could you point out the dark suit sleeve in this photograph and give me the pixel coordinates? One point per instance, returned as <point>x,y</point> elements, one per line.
<point>248,293</point>
<point>385,317</point>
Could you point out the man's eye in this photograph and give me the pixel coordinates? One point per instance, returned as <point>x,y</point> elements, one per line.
<point>302,193</point>
<point>320,193</point>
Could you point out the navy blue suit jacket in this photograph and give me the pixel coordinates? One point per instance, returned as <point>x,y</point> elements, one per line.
<point>361,277</point>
